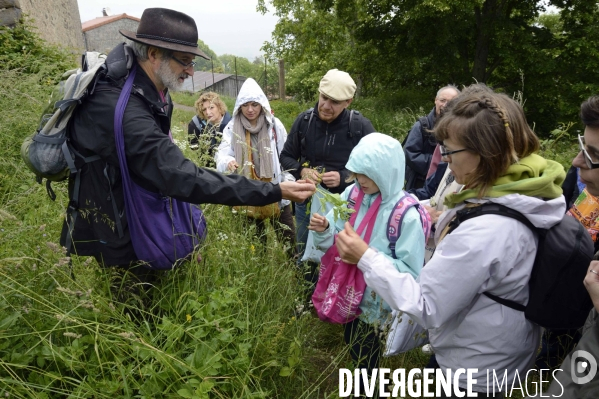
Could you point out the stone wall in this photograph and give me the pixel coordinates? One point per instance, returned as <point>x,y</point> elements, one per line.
<point>57,21</point>
<point>10,12</point>
<point>105,37</point>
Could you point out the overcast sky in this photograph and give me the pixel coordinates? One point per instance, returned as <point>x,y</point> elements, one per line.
<point>226,26</point>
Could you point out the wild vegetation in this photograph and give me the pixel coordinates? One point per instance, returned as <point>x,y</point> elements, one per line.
<point>230,326</point>
<point>398,47</point>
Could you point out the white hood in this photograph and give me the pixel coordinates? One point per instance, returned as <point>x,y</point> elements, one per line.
<point>251,91</point>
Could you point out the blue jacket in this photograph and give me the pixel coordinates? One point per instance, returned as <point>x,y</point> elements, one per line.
<point>381,158</point>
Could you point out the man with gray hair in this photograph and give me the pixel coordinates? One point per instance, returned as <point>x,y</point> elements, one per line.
<point>160,58</point>
<point>420,143</point>
<point>319,144</point>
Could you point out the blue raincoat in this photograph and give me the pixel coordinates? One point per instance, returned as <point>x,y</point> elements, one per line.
<point>381,158</point>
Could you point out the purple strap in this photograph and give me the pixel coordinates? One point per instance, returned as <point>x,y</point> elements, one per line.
<point>163,230</point>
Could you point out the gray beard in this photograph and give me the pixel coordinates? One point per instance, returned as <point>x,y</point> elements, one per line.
<point>169,79</point>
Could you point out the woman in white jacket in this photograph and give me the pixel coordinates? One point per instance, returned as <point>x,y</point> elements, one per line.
<point>250,146</point>
<point>490,149</point>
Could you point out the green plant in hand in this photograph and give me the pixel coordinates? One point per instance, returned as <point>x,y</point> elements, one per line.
<point>340,209</point>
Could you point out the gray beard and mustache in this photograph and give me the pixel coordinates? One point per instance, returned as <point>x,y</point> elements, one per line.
<point>170,79</point>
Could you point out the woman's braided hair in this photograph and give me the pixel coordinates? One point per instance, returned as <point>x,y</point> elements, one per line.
<point>491,125</point>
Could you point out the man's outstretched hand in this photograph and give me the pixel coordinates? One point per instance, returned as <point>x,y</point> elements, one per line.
<point>297,191</point>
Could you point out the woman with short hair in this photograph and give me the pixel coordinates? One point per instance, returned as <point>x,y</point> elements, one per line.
<point>209,122</point>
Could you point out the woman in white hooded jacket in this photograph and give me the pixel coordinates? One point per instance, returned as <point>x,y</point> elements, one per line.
<point>490,149</point>
<point>251,144</point>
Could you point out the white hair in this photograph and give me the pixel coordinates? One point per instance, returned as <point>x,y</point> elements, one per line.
<point>447,87</point>
<point>141,51</point>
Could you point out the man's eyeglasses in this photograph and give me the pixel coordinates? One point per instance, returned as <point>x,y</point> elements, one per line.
<point>445,153</point>
<point>191,64</point>
<point>587,157</point>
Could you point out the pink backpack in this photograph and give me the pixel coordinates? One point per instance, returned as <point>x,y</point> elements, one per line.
<point>340,286</point>
<point>405,202</point>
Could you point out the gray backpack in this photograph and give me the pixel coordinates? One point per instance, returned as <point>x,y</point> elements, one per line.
<point>46,152</point>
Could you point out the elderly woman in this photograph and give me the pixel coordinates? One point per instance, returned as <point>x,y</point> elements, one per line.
<point>250,146</point>
<point>209,122</point>
<point>490,150</point>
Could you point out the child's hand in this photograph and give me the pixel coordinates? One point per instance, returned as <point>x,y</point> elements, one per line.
<point>318,223</point>
<point>350,245</point>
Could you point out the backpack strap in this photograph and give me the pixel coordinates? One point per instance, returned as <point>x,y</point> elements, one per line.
<point>497,209</point>
<point>424,130</point>
<point>303,131</point>
<point>355,126</point>
<point>490,209</point>
<point>199,125</point>
<point>424,126</point>
<point>353,196</point>
<point>396,219</point>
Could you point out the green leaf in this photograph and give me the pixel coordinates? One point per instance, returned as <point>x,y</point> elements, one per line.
<point>186,393</point>
<point>9,321</point>
<point>285,372</point>
<point>206,386</point>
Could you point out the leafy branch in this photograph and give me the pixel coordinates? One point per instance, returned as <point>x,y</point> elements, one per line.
<point>340,209</point>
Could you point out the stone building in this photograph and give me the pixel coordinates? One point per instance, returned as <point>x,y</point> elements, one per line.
<point>102,33</point>
<point>56,21</point>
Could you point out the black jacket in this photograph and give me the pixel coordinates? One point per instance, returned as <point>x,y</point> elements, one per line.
<point>155,163</point>
<point>419,148</point>
<point>326,144</point>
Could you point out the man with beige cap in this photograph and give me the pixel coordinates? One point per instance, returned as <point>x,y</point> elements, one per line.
<point>319,144</point>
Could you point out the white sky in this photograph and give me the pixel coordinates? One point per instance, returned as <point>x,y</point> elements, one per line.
<point>226,26</point>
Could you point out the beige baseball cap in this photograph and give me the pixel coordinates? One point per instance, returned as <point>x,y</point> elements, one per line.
<point>337,85</point>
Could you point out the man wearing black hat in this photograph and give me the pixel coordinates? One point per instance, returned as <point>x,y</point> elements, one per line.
<point>163,51</point>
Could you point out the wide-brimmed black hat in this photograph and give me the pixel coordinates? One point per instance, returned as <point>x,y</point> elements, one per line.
<point>168,29</point>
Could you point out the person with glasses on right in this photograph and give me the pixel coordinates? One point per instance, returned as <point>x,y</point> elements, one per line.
<point>581,190</point>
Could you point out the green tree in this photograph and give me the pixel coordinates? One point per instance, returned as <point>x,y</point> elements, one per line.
<point>312,38</point>
<point>394,45</point>
<point>203,64</point>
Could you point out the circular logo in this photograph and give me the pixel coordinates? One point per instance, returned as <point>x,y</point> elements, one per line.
<point>583,367</point>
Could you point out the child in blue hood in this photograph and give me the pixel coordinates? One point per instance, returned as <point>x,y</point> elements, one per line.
<point>378,167</point>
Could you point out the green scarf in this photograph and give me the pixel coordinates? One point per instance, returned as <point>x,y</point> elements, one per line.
<point>534,176</point>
